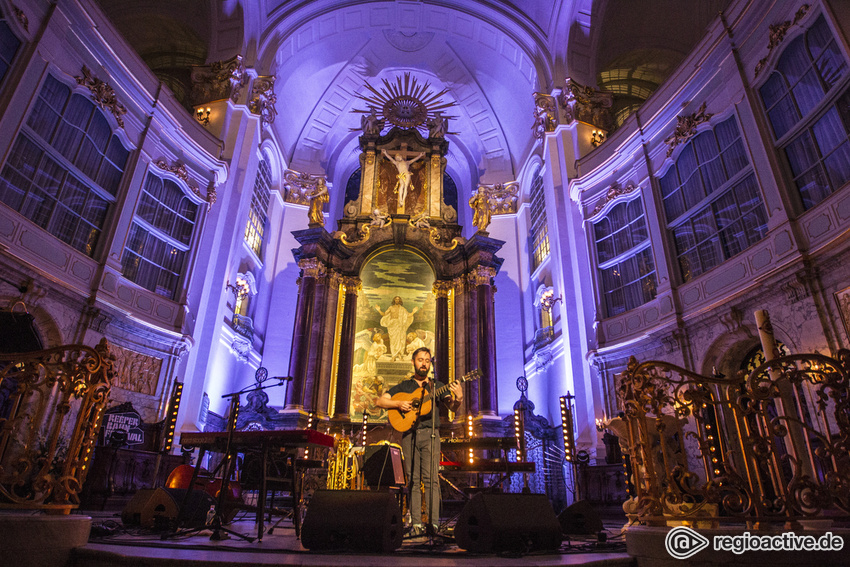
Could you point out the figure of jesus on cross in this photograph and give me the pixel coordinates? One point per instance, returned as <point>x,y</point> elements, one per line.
<point>404,176</point>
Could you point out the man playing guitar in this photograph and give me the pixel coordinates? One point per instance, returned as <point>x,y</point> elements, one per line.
<point>421,443</point>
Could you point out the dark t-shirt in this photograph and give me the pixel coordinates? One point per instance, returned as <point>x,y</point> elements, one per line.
<point>409,386</point>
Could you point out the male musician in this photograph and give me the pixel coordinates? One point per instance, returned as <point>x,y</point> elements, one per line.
<point>422,450</point>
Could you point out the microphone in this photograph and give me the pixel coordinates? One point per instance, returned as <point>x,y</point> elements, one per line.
<point>283,378</point>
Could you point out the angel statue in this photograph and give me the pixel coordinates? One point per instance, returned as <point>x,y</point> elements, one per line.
<point>379,219</point>
<point>438,126</point>
<point>371,124</point>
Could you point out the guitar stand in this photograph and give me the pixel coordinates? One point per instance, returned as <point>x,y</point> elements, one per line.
<point>216,525</point>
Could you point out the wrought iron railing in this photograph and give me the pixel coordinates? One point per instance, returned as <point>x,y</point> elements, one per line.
<point>769,447</point>
<point>51,407</point>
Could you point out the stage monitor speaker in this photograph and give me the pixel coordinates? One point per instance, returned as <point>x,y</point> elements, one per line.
<point>151,507</point>
<point>358,520</point>
<point>131,515</point>
<point>580,518</point>
<point>508,522</point>
<point>382,465</point>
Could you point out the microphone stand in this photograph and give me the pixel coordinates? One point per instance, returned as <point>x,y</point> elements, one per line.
<point>414,515</point>
<point>433,501</point>
<point>217,521</point>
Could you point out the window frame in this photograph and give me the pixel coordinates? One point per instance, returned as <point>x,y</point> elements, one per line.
<point>189,249</point>
<point>257,223</point>
<point>807,122</point>
<point>692,211</point>
<point>68,167</point>
<point>617,259</point>
<point>539,243</point>
<point>5,20</point>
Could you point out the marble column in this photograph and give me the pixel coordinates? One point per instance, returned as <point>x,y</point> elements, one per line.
<point>481,277</point>
<point>441,328</point>
<point>342,395</point>
<point>311,270</point>
<point>324,370</point>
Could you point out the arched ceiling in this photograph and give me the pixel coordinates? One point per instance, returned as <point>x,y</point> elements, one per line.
<point>491,55</point>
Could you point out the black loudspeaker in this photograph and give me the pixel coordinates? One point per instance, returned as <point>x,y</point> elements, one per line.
<point>359,520</point>
<point>580,518</point>
<point>382,465</point>
<point>150,507</point>
<point>508,522</point>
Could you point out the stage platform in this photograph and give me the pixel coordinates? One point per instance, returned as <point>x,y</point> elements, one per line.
<point>112,544</point>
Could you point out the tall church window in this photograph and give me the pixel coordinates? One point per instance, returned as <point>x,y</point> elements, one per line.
<point>813,137</point>
<point>9,44</point>
<point>712,201</point>
<point>65,167</point>
<point>257,214</point>
<point>626,269</point>
<point>539,233</point>
<point>160,237</point>
<point>244,289</point>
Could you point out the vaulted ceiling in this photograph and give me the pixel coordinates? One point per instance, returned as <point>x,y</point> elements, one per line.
<point>491,55</point>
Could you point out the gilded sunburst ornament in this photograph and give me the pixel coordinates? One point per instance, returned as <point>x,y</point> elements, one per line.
<point>405,103</point>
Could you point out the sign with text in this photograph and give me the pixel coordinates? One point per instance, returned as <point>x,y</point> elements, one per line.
<point>116,425</point>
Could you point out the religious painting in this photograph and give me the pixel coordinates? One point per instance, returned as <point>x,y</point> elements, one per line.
<point>396,311</point>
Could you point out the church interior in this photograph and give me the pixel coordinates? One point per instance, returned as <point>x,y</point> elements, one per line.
<point>618,223</point>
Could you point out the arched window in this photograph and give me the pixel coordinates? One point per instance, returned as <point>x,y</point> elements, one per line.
<point>812,137</point>
<point>9,44</point>
<point>624,257</point>
<point>712,201</point>
<point>539,227</point>
<point>65,167</point>
<point>257,214</point>
<point>160,237</point>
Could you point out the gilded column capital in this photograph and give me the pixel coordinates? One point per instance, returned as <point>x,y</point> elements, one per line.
<point>352,284</point>
<point>482,275</point>
<point>459,284</point>
<point>312,268</point>
<point>442,288</point>
<point>334,278</point>
<point>263,99</point>
<point>218,80</point>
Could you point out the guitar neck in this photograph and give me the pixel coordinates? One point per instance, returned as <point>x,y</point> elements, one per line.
<point>445,387</point>
<point>439,391</point>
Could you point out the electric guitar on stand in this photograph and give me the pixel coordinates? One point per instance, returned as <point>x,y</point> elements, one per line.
<point>404,420</point>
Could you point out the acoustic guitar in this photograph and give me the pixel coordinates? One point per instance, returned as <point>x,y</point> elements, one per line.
<point>404,420</point>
